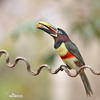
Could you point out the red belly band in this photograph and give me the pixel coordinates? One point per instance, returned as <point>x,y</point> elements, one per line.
<point>68,55</point>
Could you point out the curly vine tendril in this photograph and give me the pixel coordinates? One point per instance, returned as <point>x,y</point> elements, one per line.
<point>61,68</point>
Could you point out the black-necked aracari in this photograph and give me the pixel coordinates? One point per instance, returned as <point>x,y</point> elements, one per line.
<point>67,50</point>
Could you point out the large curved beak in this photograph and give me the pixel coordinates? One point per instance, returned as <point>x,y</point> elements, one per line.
<point>47,28</point>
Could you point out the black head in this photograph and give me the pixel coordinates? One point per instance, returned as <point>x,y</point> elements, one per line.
<point>61,31</point>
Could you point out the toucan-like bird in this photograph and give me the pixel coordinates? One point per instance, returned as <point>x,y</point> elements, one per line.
<point>67,50</point>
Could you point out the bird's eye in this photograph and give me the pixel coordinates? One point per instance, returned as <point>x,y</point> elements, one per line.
<point>59,32</point>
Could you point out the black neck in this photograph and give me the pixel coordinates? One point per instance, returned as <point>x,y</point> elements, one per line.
<point>59,39</point>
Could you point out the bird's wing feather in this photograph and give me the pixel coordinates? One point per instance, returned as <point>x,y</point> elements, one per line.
<point>72,48</point>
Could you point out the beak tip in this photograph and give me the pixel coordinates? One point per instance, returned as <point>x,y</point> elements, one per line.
<point>39,25</point>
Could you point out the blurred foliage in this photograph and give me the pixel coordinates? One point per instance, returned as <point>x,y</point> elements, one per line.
<point>49,58</point>
<point>27,27</point>
<point>89,26</point>
<point>26,41</point>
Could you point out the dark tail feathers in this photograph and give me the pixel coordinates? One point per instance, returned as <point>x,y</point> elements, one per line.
<point>86,83</point>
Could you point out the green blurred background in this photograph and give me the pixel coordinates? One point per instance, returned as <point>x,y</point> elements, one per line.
<point>19,36</point>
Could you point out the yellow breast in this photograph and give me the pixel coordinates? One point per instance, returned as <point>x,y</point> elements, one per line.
<point>62,50</point>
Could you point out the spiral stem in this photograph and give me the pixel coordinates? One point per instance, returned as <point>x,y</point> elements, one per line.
<point>61,68</point>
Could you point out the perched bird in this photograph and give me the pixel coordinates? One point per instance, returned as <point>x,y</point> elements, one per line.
<point>67,50</point>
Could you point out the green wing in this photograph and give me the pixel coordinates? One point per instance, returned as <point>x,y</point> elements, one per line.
<point>72,48</point>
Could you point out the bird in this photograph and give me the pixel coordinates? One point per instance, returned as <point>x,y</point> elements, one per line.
<point>67,50</point>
